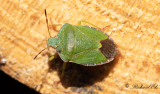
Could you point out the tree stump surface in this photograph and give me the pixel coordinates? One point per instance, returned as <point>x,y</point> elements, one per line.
<point>133,25</point>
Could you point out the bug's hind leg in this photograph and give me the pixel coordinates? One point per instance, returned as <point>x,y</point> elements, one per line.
<point>80,22</point>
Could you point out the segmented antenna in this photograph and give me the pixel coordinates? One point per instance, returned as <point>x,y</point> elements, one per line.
<point>47,22</point>
<point>48,32</point>
<point>40,52</point>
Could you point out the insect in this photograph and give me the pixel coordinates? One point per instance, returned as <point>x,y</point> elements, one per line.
<point>82,45</point>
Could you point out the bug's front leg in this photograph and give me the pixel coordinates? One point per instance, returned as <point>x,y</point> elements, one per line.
<point>55,25</point>
<point>52,57</point>
<point>64,64</point>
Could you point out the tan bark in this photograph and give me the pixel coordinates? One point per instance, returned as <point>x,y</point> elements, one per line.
<point>134,26</point>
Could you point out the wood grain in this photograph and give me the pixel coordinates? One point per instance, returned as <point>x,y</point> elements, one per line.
<point>134,26</point>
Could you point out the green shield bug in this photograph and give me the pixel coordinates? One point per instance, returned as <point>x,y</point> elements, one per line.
<point>82,45</point>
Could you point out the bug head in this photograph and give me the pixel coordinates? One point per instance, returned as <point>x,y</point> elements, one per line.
<point>53,42</point>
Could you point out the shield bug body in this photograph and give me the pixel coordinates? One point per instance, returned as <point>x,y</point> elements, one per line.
<point>83,45</point>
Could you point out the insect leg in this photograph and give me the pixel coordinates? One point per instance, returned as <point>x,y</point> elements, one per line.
<point>54,25</point>
<point>52,57</point>
<point>79,23</point>
<point>102,29</point>
<point>63,69</point>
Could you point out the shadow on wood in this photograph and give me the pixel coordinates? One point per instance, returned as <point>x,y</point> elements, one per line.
<point>78,75</point>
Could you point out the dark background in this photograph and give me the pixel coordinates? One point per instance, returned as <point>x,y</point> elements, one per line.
<point>10,85</point>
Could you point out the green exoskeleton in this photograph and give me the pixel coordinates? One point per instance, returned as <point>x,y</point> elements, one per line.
<point>83,45</point>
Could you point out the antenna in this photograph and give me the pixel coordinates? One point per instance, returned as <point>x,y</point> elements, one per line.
<point>49,35</point>
<point>47,22</point>
<point>40,52</point>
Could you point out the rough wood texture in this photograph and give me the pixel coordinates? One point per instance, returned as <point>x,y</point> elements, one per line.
<point>134,26</point>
